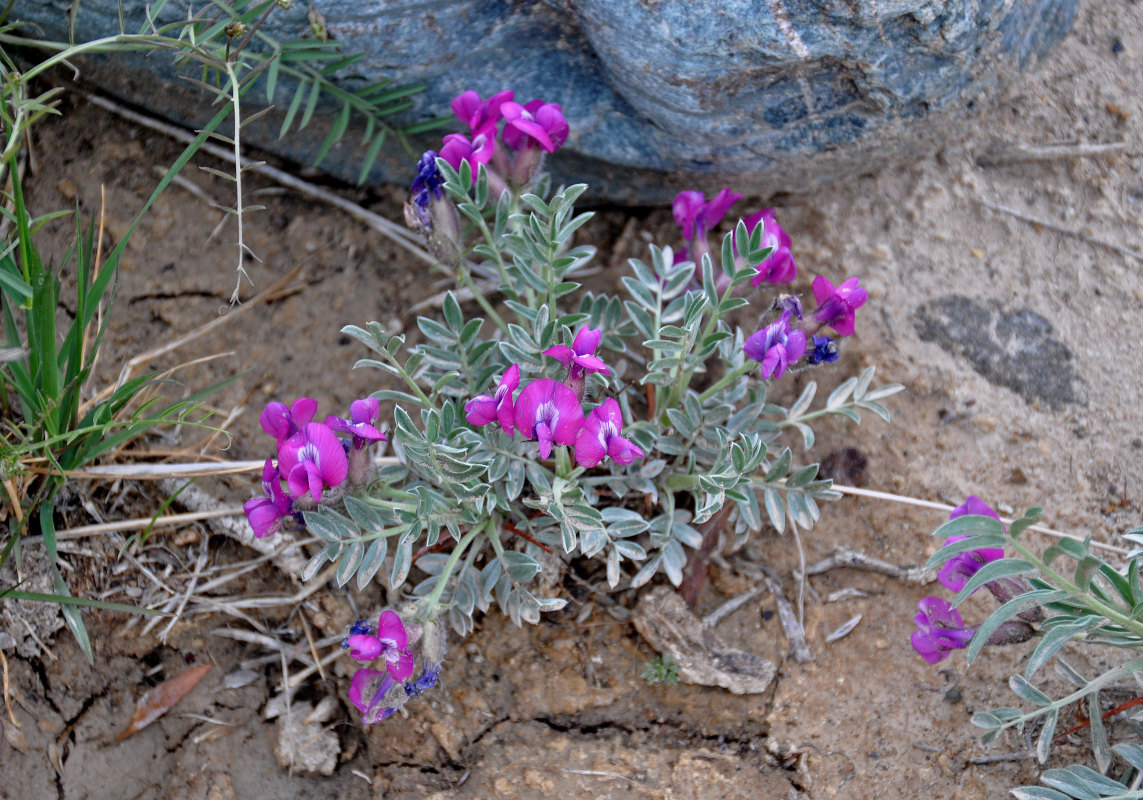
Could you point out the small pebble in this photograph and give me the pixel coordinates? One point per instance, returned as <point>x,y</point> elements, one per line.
<point>239,678</point>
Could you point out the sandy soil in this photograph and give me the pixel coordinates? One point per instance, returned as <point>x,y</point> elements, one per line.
<point>1015,343</point>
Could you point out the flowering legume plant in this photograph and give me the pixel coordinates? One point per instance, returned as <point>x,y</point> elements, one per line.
<point>562,423</point>
<point>1067,595</point>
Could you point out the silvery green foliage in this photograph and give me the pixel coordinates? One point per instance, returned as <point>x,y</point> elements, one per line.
<point>512,520</point>
<point>1084,600</point>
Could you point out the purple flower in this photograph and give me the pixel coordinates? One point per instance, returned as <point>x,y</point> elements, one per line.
<point>958,569</point>
<point>312,459</point>
<point>479,114</point>
<point>974,505</point>
<point>696,215</point>
<point>390,644</point>
<point>600,437</point>
<point>537,123</point>
<point>363,414</point>
<point>427,680</point>
<point>374,684</point>
<point>580,358</point>
<point>479,150</point>
<point>776,346</point>
<point>548,412</point>
<point>836,307</point>
<point>484,408</point>
<point>825,350</point>
<point>941,630</point>
<point>779,266</point>
<point>427,185</point>
<point>282,422</point>
<point>266,514</point>
<point>789,302</point>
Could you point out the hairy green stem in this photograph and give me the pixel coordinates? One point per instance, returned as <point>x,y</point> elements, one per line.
<point>481,300</point>
<point>432,602</point>
<point>1087,598</point>
<point>1094,685</point>
<point>727,379</point>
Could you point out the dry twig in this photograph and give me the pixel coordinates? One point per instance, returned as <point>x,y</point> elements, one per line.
<point>1008,153</point>
<point>1043,223</point>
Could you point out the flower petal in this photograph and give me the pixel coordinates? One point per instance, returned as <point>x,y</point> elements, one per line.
<point>366,686</point>
<point>364,647</point>
<point>480,410</point>
<point>622,451</point>
<point>390,627</point>
<point>402,667</point>
<point>561,353</point>
<point>823,289</point>
<point>589,447</point>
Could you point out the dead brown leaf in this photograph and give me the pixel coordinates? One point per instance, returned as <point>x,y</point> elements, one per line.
<point>162,698</point>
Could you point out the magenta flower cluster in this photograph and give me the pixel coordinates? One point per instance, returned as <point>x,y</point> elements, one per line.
<point>780,344</point>
<point>940,629</point>
<point>697,216</point>
<point>551,413</point>
<point>378,693</point>
<point>312,459</point>
<point>509,139</point>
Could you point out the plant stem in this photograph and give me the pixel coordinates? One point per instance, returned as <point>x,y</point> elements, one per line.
<point>727,379</point>
<point>1080,595</point>
<point>482,301</point>
<point>432,602</point>
<point>1079,694</point>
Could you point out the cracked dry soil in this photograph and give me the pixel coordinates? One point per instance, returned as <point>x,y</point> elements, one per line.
<point>559,709</point>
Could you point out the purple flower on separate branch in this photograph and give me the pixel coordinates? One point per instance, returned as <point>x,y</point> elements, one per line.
<point>479,114</point>
<point>941,630</point>
<point>312,459</point>
<point>374,684</point>
<point>696,215</point>
<point>266,514</point>
<point>282,421</point>
<point>549,413</point>
<point>825,350</point>
<point>836,306</point>
<point>363,414</point>
<point>778,267</point>
<point>390,644</point>
<point>537,123</point>
<point>601,437</point>
<point>484,408</point>
<point>429,180</point>
<point>776,346</point>
<point>580,358</point>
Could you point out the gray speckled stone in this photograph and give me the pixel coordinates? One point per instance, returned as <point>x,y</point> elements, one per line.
<point>1014,349</point>
<point>764,95</point>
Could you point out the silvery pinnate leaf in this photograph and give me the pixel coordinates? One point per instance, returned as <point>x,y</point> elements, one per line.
<point>371,562</point>
<point>349,562</point>
<point>1055,638</point>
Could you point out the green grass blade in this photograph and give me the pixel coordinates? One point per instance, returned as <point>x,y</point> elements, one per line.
<point>292,111</point>
<point>71,612</point>
<point>67,600</point>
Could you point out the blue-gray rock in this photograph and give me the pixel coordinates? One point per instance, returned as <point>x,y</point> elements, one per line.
<point>661,95</point>
<point>1015,349</point>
